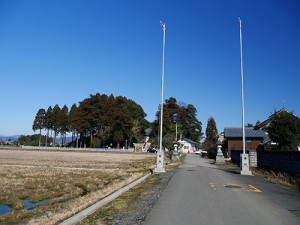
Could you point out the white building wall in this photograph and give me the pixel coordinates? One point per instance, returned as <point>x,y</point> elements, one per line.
<point>185,147</point>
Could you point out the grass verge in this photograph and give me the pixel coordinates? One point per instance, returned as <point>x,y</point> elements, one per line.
<point>279,177</point>
<point>282,178</point>
<point>129,202</point>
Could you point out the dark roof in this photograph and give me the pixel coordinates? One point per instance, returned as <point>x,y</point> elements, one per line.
<point>267,121</point>
<point>249,133</point>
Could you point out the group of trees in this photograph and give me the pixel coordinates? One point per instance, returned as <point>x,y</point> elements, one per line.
<point>32,140</point>
<point>99,120</point>
<point>184,115</point>
<point>180,114</point>
<point>102,120</point>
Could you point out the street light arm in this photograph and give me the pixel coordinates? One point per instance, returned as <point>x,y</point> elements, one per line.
<point>163,25</point>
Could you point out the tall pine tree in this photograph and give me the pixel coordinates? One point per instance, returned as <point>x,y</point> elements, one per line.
<point>39,122</point>
<point>211,134</point>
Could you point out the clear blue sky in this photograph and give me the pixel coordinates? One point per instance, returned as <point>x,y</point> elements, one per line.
<point>61,51</point>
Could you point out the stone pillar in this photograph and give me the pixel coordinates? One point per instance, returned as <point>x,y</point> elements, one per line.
<point>220,157</point>
<point>175,156</point>
<point>245,164</point>
<point>160,163</point>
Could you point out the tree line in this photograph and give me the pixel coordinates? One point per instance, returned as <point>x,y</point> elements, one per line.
<point>117,122</point>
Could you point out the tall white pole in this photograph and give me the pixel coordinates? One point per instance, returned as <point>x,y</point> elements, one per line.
<point>160,154</point>
<point>244,157</point>
<point>163,26</point>
<point>242,78</point>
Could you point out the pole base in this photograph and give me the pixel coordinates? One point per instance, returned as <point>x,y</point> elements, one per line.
<point>245,165</point>
<point>159,170</point>
<point>246,172</point>
<point>160,163</point>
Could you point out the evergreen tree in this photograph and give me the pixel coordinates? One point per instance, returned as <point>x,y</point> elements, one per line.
<point>56,122</point>
<point>72,121</point>
<point>49,120</point>
<point>38,123</point>
<point>194,126</point>
<point>211,135</point>
<point>284,129</point>
<point>63,124</point>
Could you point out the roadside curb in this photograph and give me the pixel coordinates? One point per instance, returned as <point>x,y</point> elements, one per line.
<point>91,209</point>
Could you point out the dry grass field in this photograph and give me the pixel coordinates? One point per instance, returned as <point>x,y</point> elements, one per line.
<point>67,181</point>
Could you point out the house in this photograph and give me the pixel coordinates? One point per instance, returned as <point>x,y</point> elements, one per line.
<point>234,137</point>
<point>268,143</point>
<point>265,124</point>
<point>187,146</point>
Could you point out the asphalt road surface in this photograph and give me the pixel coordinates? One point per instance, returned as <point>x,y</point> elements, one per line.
<point>204,194</point>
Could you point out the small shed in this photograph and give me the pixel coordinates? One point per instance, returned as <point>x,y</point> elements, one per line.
<point>234,137</point>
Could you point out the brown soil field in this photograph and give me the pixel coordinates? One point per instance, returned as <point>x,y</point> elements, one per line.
<point>68,181</point>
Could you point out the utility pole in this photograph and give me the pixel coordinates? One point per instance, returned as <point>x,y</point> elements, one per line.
<point>244,157</point>
<point>160,154</point>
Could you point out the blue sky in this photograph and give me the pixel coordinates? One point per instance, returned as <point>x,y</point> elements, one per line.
<point>61,51</point>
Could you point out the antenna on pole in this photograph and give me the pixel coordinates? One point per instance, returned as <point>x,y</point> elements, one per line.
<point>283,104</point>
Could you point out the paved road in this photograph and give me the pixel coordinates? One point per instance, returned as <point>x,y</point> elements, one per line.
<point>203,194</point>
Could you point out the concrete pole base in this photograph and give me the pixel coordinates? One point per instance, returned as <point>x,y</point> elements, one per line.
<point>245,170</point>
<point>160,163</point>
<point>159,170</point>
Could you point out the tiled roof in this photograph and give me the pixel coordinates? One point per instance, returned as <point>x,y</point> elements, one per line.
<point>249,132</point>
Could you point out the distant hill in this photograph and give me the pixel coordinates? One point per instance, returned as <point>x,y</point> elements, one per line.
<point>16,137</point>
<point>9,138</point>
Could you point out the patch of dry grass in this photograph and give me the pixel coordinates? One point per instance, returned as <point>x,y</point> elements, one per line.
<point>130,201</point>
<point>68,159</point>
<point>282,178</point>
<point>127,203</point>
<point>71,181</point>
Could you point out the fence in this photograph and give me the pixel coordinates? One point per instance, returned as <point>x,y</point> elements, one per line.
<point>235,156</point>
<point>279,161</point>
